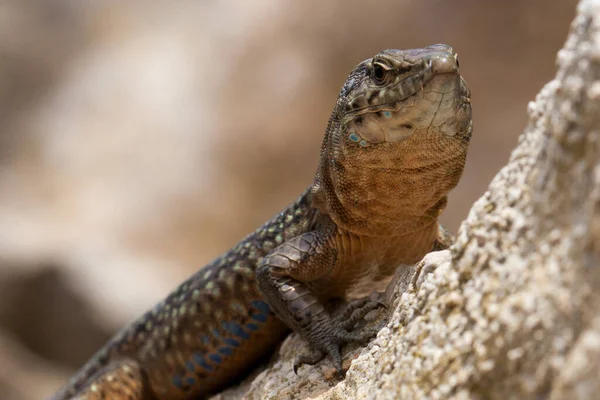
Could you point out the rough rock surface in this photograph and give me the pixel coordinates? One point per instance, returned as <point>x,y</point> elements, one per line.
<point>511,310</point>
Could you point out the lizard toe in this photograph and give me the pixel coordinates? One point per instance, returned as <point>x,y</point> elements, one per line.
<point>309,359</point>
<point>358,314</point>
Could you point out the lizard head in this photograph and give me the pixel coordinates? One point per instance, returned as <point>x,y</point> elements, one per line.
<point>396,142</point>
<point>399,93</point>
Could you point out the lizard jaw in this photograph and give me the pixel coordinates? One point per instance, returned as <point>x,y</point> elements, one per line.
<point>440,105</point>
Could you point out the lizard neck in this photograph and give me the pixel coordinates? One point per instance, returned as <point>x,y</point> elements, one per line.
<point>394,190</point>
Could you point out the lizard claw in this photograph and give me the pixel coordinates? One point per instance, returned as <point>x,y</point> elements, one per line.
<point>309,359</point>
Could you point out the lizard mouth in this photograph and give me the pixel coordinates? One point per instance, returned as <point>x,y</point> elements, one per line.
<point>409,87</point>
<point>424,101</point>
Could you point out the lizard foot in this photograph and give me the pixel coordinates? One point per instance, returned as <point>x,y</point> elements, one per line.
<point>327,335</point>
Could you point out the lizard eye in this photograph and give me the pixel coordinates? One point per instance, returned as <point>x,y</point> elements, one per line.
<point>379,73</point>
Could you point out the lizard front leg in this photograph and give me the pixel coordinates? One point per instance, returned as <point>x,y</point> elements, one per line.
<point>284,277</point>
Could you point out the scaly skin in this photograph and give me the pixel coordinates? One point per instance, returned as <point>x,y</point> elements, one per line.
<point>395,146</point>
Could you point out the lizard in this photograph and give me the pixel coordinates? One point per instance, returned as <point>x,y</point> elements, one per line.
<point>394,147</point>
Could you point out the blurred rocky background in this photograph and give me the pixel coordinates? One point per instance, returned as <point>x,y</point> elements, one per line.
<point>138,141</point>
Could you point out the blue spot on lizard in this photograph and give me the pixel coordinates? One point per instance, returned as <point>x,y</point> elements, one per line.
<point>232,342</point>
<point>260,317</point>
<point>190,381</point>
<point>236,330</point>
<point>261,306</point>
<point>177,381</point>
<point>226,351</point>
<point>199,359</point>
<point>215,358</point>
<point>251,326</point>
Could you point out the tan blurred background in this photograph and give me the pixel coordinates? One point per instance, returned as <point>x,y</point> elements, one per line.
<point>139,141</point>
